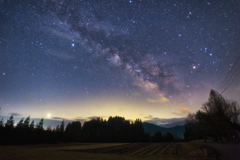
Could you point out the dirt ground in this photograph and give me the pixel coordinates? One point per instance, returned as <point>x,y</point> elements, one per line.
<point>227,151</point>
<point>170,151</point>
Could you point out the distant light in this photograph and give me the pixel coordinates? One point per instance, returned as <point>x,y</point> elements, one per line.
<point>73,44</point>
<point>194,67</point>
<point>3,73</point>
<point>49,115</point>
<point>210,54</point>
<point>130,1</point>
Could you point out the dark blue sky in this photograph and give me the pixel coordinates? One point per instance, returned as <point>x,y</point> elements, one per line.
<point>152,60</point>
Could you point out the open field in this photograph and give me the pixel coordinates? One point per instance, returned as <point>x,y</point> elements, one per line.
<point>171,151</point>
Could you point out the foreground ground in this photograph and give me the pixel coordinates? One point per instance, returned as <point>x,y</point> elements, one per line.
<point>171,151</point>
<point>197,150</point>
<point>225,151</point>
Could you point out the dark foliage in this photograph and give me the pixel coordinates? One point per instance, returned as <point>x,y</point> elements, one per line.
<point>217,120</point>
<point>115,129</point>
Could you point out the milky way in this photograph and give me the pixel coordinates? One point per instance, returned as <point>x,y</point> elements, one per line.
<point>168,53</point>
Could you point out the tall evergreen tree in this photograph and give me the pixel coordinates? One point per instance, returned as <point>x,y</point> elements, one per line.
<point>62,126</point>
<point>10,122</point>
<point>40,125</point>
<point>1,123</point>
<point>26,122</point>
<point>32,125</point>
<point>158,137</point>
<point>20,123</point>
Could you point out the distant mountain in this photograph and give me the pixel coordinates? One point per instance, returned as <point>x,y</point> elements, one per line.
<point>181,123</point>
<point>152,129</point>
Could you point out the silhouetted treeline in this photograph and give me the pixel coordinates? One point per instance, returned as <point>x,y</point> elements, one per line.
<point>115,129</point>
<point>218,120</point>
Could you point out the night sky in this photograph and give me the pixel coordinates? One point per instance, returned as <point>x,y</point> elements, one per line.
<point>148,59</point>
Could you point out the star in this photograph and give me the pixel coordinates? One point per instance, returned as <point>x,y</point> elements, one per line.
<point>137,48</point>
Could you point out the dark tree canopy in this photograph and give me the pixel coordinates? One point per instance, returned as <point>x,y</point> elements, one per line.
<point>115,129</point>
<point>218,118</point>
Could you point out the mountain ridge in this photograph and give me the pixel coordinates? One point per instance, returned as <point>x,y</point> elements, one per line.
<point>180,123</point>
<point>152,129</point>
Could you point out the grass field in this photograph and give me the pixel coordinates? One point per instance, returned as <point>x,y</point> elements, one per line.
<point>171,151</point>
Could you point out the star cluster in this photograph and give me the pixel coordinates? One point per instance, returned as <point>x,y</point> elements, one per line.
<point>130,58</point>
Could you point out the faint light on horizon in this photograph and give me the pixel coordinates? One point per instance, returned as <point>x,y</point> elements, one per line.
<point>49,115</point>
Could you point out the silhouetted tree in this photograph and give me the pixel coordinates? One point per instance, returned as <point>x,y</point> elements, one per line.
<point>157,137</point>
<point>148,137</point>
<point>92,130</point>
<point>40,125</point>
<point>1,131</point>
<point>62,126</point>
<point>169,137</point>
<point>8,131</point>
<point>26,122</point>
<point>116,129</point>
<point>10,122</point>
<point>1,123</point>
<point>32,125</point>
<point>20,123</point>
<point>188,135</point>
<point>218,118</point>
<point>73,132</point>
<point>138,131</point>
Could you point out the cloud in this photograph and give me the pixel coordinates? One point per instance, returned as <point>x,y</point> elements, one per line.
<point>160,100</point>
<point>82,119</point>
<point>176,113</point>
<point>184,110</point>
<point>161,121</point>
<point>58,118</point>
<point>15,114</point>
